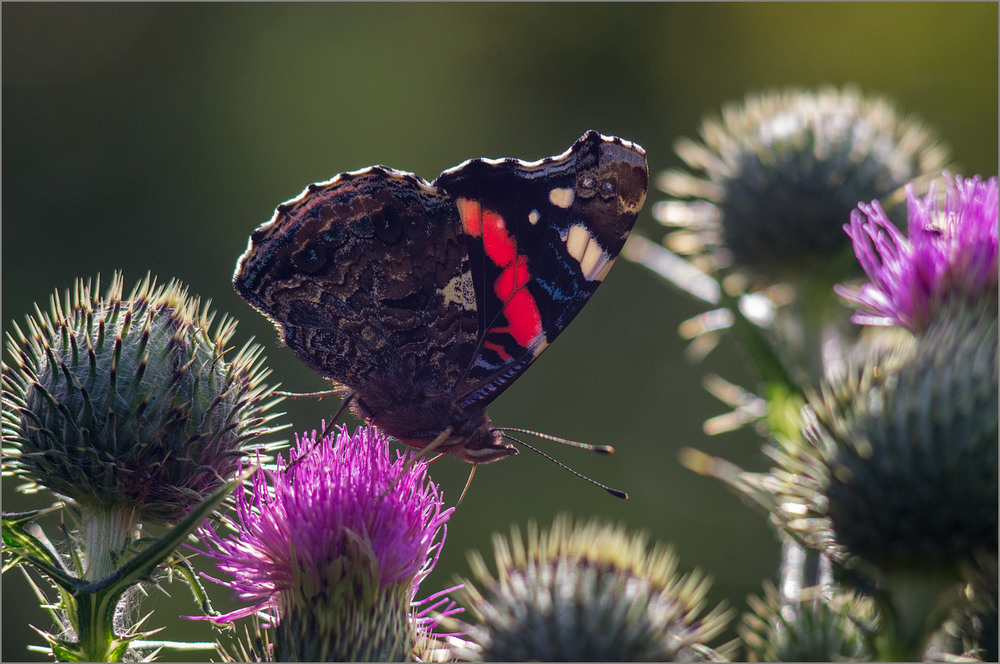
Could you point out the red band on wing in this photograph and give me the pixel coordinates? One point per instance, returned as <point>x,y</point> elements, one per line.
<point>524,321</point>
<point>488,225</point>
<point>499,350</point>
<point>513,278</point>
<point>471,214</point>
<point>497,242</point>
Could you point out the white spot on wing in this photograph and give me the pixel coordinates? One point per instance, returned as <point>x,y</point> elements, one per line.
<point>585,250</point>
<point>576,241</point>
<point>591,259</point>
<point>562,197</point>
<point>460,290</point>
<point>533,217</point>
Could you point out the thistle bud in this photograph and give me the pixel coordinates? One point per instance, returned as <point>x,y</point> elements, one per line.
<point>817,629</point>
<point>589,592</point>
<point>117,402</point>
<point>911,452</point>
<point>782,172</point>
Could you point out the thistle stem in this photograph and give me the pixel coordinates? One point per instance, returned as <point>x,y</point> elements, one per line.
<point>107,531</point>
<point>915,607</point>
<point>784,395</point>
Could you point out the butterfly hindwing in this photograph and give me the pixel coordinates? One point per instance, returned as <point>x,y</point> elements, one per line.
<point>367,278</point>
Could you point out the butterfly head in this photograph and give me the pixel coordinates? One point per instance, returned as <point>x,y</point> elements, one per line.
<point>484,445</point>
<point>470,434</point>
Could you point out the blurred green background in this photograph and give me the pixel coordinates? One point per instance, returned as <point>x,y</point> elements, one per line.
<point>155,137</point>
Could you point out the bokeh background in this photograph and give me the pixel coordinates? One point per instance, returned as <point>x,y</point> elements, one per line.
<point>155,137</point>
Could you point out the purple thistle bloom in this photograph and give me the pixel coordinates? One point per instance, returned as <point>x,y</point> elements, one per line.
<point>333,542</point>
<point>950,254</point>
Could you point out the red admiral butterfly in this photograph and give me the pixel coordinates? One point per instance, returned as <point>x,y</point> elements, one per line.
<point>426,301</point>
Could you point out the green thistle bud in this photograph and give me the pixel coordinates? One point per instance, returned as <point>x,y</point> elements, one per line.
<point>912,468</point>
<point>760,215</point>
<point>898,480</point>
<point>781,173</point>
<point>586,593</point>
<point>815,630</point>
<point>128,403</point>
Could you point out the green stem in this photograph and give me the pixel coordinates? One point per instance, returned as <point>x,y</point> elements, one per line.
<point>820,318</point>
<point>97,641</point>
<point>783,394</point>
<point>90,602</point>
<point>913,606</point>
<point>107,531</point>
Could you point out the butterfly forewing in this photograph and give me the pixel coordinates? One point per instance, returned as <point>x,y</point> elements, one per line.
<point>543,235</point>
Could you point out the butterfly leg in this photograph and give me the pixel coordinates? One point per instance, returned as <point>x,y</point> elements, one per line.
<point>307,395</point>
<point>434,444</point>
<point>468,483</point>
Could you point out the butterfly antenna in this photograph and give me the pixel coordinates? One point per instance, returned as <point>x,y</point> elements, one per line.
<point>600,449</point>
<point>343,406</point>
<point>606,449</point>
<point>306,395</point>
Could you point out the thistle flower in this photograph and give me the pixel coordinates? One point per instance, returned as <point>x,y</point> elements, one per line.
<point>781,173</point>
<point>818,629</point>
<point>129,401</point>
<point>586,593</point>
<point>928,428</point>
<point>334,544</point>
<point>897,479</point>
<point>949,257</point>
<point>128,409</point>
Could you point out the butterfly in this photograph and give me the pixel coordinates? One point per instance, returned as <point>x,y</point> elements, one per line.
<point>425,301</point>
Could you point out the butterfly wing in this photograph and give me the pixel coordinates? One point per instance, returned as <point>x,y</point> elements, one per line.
<point>541,237</point>
<point>367,279</point>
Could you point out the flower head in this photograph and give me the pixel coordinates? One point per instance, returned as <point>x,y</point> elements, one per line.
<point>899,469</point>
<point>587,593</point>
<point>912,459</point>
<point>819,629</point>
<point>130,402</point>
<point>334,543</point>
<point>949,255</point>
<point>782,172</point>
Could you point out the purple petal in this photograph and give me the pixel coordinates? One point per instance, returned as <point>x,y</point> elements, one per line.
<point>949,253</point>
<point>342,501</point>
